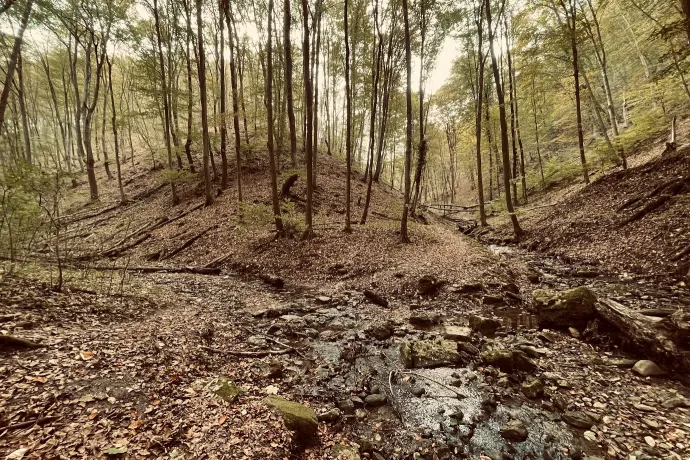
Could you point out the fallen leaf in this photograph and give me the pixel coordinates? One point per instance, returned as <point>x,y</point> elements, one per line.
<point>93,415</point>
<point>222,420</point>
<point>86,355</point>
<point>135,424</point>
<point>115,451</point>
<point>18,454</point>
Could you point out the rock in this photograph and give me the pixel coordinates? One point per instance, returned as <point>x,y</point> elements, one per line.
<point>361,414</point>
<point>590,436</point>
<point>297,417</point>
<point>533,388</point>
<point>578,419</point>
<point>514,430</point>
<point>357,401</point>
<point>571,308</point>
<point>647,368</point>
<point>509,361</point>
<point>341,452</point>
<point>375,298</point>
<point>485,326</point>
<point>469,288</point>
<point>650,441</point>
<point>226,390</point>
<point>429,353</point>
<point>643,407</point>
<point>533,277</point>
<point>490,299</point>
<point>651,423</point>
<point>418,390</point>
<point>332,415</point>
<point>272,280</point>
<point>424,319</point>
<point>347,406</point>
<point>468,348</point>
<point>534,352</point>
<point>428,285</point>
<point>674,402</point>
<point>457,333</point>
<point>623,363</point>
<point>375,400</point>
<point>574,333</point>
<point>322,299</point>
<point>380,331</point>
<point>587,273</point>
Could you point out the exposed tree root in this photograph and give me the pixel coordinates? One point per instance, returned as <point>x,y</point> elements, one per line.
<point>683,252</point>
<point>28,423</point>
<point>252,354</point>
<point>9,342</point>
<point>660,195</point>
<point>182,269</point>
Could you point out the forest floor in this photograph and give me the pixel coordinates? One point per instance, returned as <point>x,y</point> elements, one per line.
<point>141,365</point>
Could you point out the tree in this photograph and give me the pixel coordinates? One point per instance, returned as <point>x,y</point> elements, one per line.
<point>287,49</point>
<point>235,97</point>
<point>404,238</point>
<point>12,65</point>
<point>269,123</point>
<point>348,120</point>
<point>123,197</point>
<point>201,64</point>
<point>504,124</point>
<point>309,122</point>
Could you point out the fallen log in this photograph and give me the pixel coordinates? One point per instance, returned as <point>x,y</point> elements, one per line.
<point>28,423</point>
<point>647,333</point>
<point>177,217</point>
<point>144,269</point>
<point>682,253</point>
<point>9,342</point>
<point>249,354</point>
<point>187,243</point>
<point>117,250</point>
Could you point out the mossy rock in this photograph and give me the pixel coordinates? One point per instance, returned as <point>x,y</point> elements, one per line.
<point>226,389</point>
<point>430,353</point>
<point>341,452</point>
<point>570,308</point>
<point>297,417</point>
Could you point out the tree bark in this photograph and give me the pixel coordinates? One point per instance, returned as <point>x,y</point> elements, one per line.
<point>308,120</point>
<point>26,135</point>
<point>348,120</point>
<point>404,238</point>
<point>235,98</point>
<point>16,48</point>
<point>223,104</point>
<point>269,120</point>
<point>166,107</point>
<point>204,104</point>
<point>504,124</point>
<point>123,197</point>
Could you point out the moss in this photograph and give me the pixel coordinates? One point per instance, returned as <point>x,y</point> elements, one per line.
<point>226,390</point>
<point>297,417</point>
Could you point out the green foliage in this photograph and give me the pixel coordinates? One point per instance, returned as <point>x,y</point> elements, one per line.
<point>177,176</point>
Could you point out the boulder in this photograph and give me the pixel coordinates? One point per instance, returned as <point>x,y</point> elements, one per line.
<point>578,419</point>
<point>297,417</point>
<point>509,361</point>
<point>570,308</point>
<point>485,326</point>
<point>428,285</point>
<point>514,430</point>
<point>377,399</point>
<point>424,319</point>
<point>429,353</point>
<point>379,331</point>
<point>533,389</point>
<point>457,333</point>
<point>647,368</point>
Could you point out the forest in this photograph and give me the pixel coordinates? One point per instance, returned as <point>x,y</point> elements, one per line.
<point>345,229</point>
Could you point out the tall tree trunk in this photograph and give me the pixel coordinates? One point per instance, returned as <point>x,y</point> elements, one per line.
<point>9,73</point>
<point>21,95</point>
<point>223,103</point>
<point>235,98</point>
<point>572,26</point>
<point>481,60</point>
<point>308,119</point>
<point>269,120</point>
<point>504,124</point>
<point>404,238</point>
<point>190,89</point>
<point>315,110</point>
<point>287,47</point>
<point>166,107</point>
<point>422,147</point>
<point>348,121</point>
<point>104,145</point>
<point>201,63</point>
<point>511,96</point>
<point>377,57</point>
<point>536,133</point>
<point>123,197</point>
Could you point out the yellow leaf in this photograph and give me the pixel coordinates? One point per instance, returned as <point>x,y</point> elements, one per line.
<point>93,415</point>
<point>40,379</point>
<point>135,424</point>
<point>222,420</point>
<point>86,355</point>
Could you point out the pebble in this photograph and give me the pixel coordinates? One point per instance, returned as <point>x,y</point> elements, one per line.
<point>644,407</point>
<point>650,441</point>
<point>647,368</point>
